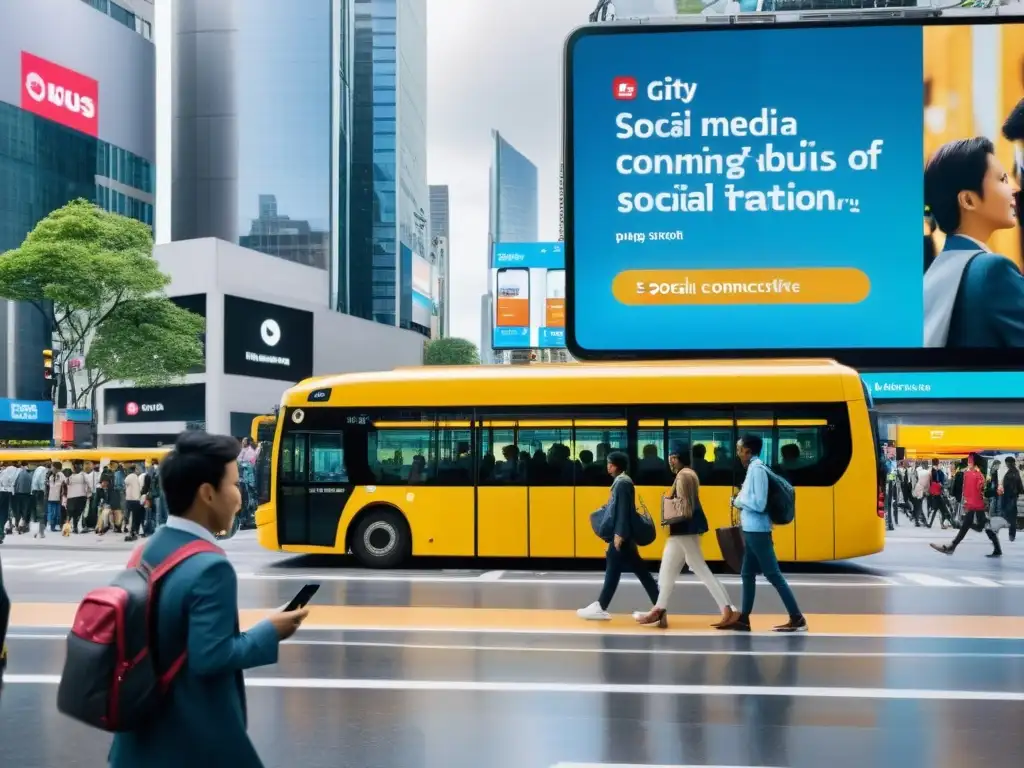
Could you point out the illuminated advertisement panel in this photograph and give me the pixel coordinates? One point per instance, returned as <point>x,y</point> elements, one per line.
<point>528,285</point>
<point>780,212</point>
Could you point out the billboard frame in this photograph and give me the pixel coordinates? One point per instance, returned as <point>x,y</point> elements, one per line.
<point>864,358</point>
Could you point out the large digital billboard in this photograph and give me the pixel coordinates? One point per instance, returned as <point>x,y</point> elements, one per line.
<point>778,210</point>
<point>267,341</point>
<point>528,286</point>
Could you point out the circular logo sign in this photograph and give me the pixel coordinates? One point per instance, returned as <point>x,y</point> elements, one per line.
<point>298,415</point>
<point>270,332</point>
<point>132,409</point>
<point>35,86</point>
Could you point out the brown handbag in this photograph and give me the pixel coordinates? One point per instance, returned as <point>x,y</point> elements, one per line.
<point>677,509</point>
<point>730,541</point>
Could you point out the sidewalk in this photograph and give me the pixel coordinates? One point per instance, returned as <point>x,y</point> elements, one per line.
<point>90,542</point>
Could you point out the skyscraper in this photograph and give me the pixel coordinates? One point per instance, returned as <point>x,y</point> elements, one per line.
<point>255,97</point>
<point>388,240</point>
<point>440,247</point>
<point>513,195</point>
<point>77,120</point>
<point>513,218</point>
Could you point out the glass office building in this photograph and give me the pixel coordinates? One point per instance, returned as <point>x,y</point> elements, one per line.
<point>513,195</point>
<point>388,196</point>
<point>253,141</point>
<point>49,159</point>
<point>440,248</point>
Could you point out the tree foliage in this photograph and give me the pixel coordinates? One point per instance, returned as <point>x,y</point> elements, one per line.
<point>93,275</point>
<point>451,352</point>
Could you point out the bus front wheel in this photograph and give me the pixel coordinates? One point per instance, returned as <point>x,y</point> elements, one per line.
<point>382,539</point>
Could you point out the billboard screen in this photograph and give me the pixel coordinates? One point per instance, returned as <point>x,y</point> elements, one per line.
<point>781,213</point>
<point>528,286</point>
<point>422,290</point>
<point>267,341</point>
<point>946,385</point>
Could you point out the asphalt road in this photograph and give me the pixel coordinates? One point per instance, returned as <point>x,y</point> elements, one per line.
<point>917,661</point>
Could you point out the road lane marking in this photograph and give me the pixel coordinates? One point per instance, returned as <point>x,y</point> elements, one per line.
<point>645,765</point>
<point>981,581</point>
<point>926,580</point>
<point>879,581</point>
<point>491,576</point>
<point>560,622</point>
<point>643,689</point>
<point>465,648</point>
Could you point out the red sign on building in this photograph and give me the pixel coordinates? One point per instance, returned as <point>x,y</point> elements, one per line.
<point>60,94</point>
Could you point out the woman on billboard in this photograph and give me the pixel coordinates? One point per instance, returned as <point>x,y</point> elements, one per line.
<point>972,297</point>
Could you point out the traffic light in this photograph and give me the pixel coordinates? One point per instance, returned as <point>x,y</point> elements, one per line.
<point>47,363</point>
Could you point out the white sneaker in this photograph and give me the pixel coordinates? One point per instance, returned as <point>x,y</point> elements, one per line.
<point>594,612</point>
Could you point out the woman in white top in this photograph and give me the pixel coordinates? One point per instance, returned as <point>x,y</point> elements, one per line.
<point>133,501</point>
<point>78,496</point>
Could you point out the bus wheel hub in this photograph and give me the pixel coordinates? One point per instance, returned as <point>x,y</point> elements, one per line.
<point>380,538</point>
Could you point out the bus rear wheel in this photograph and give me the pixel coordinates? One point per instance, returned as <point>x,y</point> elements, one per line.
<point>382,539</point>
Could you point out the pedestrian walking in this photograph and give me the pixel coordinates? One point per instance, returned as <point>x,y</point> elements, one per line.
<point>758,547</point>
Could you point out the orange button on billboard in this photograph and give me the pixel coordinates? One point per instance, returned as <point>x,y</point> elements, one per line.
<point>513,312</point>
<point>554,313</point>
<point>699,287</point>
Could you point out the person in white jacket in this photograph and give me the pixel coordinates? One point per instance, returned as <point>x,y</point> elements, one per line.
<point>921,485</point>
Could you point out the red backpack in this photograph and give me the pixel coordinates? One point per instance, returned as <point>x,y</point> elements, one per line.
<point>110,679</point>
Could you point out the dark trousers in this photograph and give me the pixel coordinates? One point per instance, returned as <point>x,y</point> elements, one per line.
<point>138,514</point>
<point>5,609</point>
<point>939,504</point>
<point>76,507</point>
<point>615,560</point>
<point>975,520</point>
<point>759,557</point>
<point>23,504</point>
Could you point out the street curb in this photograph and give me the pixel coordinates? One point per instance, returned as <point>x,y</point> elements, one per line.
<point>5,547</point>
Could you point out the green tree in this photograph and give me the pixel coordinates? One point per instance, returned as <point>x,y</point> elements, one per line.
<point>451,352</point>
<point>92,274</point>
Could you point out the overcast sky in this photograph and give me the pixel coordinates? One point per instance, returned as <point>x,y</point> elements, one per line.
<point>490,65</point>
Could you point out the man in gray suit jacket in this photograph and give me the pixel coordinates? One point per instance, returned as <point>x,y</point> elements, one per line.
<point>203,721</point>
<point>972,297</point>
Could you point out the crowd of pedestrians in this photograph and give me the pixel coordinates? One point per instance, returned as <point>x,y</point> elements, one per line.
<point>979,493</point>
<point>617,523</point>
<point>42,497</point>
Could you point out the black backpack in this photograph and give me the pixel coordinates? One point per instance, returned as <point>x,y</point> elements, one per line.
<point>110,679</point>
<point>781,506</point>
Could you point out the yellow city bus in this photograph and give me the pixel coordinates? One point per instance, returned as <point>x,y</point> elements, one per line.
<point>508,461</point>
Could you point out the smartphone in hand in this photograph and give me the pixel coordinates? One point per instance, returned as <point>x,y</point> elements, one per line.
<point>302,598</point>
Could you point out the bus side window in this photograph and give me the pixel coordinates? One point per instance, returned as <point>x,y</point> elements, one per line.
<point>546,452</point>
<point>454,455</point>
<point>593,444</point>
<point>652,464</point>
<point>403,456</point>
<point>500,460</point>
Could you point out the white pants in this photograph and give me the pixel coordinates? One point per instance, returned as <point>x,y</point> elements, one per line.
<point>680,550</point>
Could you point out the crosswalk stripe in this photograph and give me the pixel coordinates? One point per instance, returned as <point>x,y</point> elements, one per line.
<point>981,581</point>
<point>927,580</point>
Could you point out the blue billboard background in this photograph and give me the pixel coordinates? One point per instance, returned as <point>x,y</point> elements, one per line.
<point>26,411</point>
<point>538,271</point>
<point>946,385</point>
<point>843,109</point>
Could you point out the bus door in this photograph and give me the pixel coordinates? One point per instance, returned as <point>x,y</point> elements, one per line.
<point>546,449</point>
<point>315,485</point>
<point>502,496</point>
<point>593,441</point>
